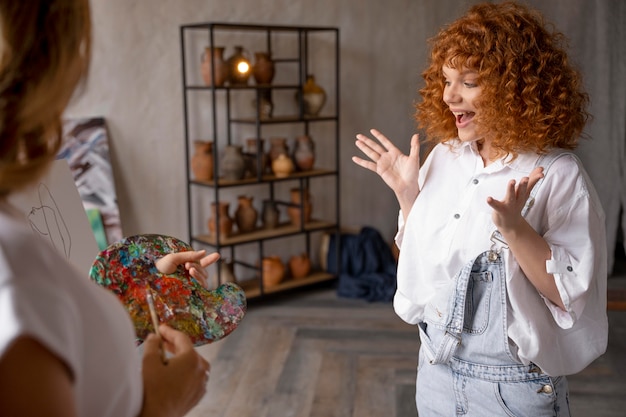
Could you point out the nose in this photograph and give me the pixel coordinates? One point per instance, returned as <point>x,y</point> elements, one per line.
<point>451,94</point>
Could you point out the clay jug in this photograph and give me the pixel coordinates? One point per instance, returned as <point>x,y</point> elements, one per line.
<point>246,215</point>
<point>270,215</point>
<point>304,153</point>
<point>282,166</point>
<point>277,146</point>
<point>264,70</point>
<point>233,165</point>
<point>255,157</point>
<point>313,97</point>
<point>239,68</point>
<point>273,271</point>
<point>301,206</point>
<point>299,266</point>
<point>202,160</point>
<point>214,58</point>
<point>219,213</point>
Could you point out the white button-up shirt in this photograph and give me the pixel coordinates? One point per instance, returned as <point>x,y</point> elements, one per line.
<point>450,224</point>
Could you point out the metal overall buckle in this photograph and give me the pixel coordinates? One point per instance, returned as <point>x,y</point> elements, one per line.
<point>497,244</point>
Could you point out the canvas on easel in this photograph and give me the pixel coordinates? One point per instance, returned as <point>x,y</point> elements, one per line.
<point>86,148</point>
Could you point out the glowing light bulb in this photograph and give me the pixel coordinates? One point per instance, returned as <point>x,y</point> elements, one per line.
<point>243,67</point>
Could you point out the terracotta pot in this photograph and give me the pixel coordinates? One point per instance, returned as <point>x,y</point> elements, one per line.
<point>232,164</point>
<point>299,266</point>
<point>313,97</point>
<point>277,146</point>
<point>214,58</point>
<point>282,166</point>
<point>304,153</point>
<point>202,160</point>
<point>301,206</point>
<point>255,157</point>
<point>273,271</point>
<point>270,215</point>
<point>246,215</point>
<point>263,70</point>
<point>219,213</point>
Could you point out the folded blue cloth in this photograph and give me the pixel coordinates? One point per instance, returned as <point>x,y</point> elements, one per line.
<point>367,268</point>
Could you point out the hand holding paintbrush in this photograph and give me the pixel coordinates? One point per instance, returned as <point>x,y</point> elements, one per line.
<point>155,321</point>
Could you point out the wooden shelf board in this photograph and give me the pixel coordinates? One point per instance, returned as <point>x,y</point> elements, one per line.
<point>253,289</point>
<point>316,172</point>
<point>284,229</point>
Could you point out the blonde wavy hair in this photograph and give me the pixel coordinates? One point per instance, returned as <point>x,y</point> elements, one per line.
<point>44,54</point>
<point>531,96</point>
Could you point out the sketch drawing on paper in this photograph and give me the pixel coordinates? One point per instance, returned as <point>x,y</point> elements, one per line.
<point>86,149</point>
<point>47,221</point>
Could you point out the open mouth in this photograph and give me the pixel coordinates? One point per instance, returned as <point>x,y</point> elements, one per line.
<point>463,117</point>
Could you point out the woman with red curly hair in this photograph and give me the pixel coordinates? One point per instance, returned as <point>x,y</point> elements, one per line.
<point>502,240</point>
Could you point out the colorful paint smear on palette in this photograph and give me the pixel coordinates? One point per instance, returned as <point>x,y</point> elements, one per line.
<point>127,267</point>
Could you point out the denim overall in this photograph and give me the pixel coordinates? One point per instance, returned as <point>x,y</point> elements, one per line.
<point>466,366</point>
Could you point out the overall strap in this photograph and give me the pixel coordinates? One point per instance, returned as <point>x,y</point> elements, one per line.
<point>545,161</point>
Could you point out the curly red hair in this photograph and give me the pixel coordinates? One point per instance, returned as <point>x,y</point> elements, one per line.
<point>531,96</point>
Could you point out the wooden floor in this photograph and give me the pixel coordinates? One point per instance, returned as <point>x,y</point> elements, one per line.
<point>310,354</point>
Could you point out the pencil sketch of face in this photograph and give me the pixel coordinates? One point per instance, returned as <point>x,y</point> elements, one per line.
<point>47,221</point>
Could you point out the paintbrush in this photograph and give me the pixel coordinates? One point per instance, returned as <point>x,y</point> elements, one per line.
<point>155,321</point>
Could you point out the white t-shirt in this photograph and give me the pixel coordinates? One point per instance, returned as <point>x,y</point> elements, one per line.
<point>450,224</point>
<point>44,297</point>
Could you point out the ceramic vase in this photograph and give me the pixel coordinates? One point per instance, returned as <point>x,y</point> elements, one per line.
<point>256,158</point>
<point>202,160</point>
<point>313,97</point>
<point>239,68</point>
<point>273,271</point>
<point>270,214</point>
<point>233,164</point>
<point>264,106</point>
<point>299,266</point>
<point>278,145</point>
<point>246,215</point>
<point>213,58</point>
<point>263,70</point>
<point>220,218</point>
<point>282,166</point>
<point>300,206</point>
<point>304,153</point>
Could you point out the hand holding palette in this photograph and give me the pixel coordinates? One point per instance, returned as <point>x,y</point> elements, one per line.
<point>128,269</point>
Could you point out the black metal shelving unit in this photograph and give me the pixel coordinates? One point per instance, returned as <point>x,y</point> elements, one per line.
<point>223,96</point>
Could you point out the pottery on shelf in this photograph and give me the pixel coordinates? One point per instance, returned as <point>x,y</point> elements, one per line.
<point>256,158</point>
<point>213,58</point>
<point>282,166</point>
<point>313,97</point>
<point>232,164</point>
<point>263,70</point>
<point>304,153</point>
<point>273,271</point>
<point>246,215</point>
<point>202,160</point>
<point>224,273</point>
<point>270,214</point>
<point>219,213</point>
<point>239,68</point>
<point>264,106</point>
<point>278,145</point>
<point>299,266</point>
<point>300,206</point>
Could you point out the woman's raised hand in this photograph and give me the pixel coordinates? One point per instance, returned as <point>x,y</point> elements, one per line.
<point>399,171</point>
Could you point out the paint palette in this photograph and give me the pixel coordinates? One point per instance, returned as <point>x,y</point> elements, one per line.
<point>128,269</point>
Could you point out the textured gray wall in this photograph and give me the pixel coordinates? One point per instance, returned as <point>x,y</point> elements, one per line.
<point>135,84</point>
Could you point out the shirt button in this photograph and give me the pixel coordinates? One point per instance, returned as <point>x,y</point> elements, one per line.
<point>475,181</point>
<point>570,269</point>
<point>457,216</point>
